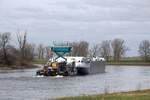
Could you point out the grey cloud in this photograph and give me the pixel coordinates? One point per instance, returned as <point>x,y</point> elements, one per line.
<point>119,3</point>
<point>89,14</point>
<point>91,20</point>
<point>83,12</point>
<point>29,9</point>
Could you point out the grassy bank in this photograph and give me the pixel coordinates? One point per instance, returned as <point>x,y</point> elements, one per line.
<point>124,61</point>
<point>24,65</point>
<point>135,95</point>
<point>129,61</point>
<point>39,61</point>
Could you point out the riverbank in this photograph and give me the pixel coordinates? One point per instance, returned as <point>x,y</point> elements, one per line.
<point>24,65</point>
<point>39,61</point>
<point>134,95</point>
<point>129,63</point>
<point>18,66</point>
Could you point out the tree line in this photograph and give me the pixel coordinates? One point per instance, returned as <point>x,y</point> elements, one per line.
<point>22,53</point>
<point>25,51</point>
<point>111,49</point>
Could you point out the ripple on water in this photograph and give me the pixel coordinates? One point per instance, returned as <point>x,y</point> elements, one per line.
<point>23,84</point>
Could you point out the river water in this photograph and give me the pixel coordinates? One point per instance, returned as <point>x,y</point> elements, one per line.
<point>24,85</point>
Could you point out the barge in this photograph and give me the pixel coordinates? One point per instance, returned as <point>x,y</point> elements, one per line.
<point>70,66</point>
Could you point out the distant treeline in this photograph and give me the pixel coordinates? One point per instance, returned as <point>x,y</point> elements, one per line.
<point>25,51</point>
<point>111,50</point>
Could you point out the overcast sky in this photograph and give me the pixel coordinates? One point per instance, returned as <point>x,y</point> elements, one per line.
<point>75,20</point>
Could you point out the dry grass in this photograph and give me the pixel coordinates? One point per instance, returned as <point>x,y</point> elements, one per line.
<point>135,95</point>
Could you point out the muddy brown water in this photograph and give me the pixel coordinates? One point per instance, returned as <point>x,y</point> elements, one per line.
<point>24,85</point>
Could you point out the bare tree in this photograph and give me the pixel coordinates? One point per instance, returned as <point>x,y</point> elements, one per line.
<point>75,49</point>
<point>83,48</point>
<point>0,40</point>
<point>95,50</point>
<point>4,44</point>
<point>105,49</point>
<point>29,51</point>
<point>40,50</point>
<point>119,48</point>
<point>80,48</point>
<point>48,52</point>
<point>22,40</point>
<point>144,50</point>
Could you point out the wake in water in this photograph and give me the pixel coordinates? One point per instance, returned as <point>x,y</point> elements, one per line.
<point>58,76</point>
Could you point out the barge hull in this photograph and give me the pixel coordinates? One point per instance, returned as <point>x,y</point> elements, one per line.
<point>94,68</point>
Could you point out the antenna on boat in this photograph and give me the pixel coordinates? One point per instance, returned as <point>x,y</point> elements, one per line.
<point>61,43</point>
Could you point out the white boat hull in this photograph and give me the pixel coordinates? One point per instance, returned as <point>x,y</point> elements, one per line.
<point>91,68</point>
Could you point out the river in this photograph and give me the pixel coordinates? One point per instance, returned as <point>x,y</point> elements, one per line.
<point>24,85</point>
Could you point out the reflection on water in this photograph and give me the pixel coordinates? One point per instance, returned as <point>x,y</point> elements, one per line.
<point>24,85</point>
